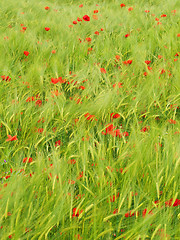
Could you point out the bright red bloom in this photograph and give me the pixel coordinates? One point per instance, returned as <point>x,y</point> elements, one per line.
<point>57,143</point>
<point>169,203</point>
<point>109,129</point>
<point>147,11</point>
<point>147,62</point>
<point>127,35</point>
<point>115,211</point>
<point>88,39</point>
<point>117,57</point>
<point>72,161</point>
<point>6,78</point>
<point>145,74</point>
<point>129,214</point>
<point>102,70</point>
<point>10,138</point>
<point>81,5</point>
<point>96,11</point>
<point>29,160</point>
<point>127,62</point>
<point>130,9</point>
<point>76,212</point>
<point>178,35</point>
<point>47,8</point>
<point>86,18</point>
<point>157,19</point>
<point>119,85</point>
<point>125,134</point>
<point>74,22</point>
<point>115,115</point>
<point>47,29</point>
<point>172,121</point>
<point>38,102</point>
<point>29,99</point>
<point>24,28</point>
<point>122,5</point>
<point>56,80</point>
<point>40,130</point>
<point>163,15</point>
<point>26,53</point>
<point>79,19</point>
<point>97,33</point>
<point>145,129</point>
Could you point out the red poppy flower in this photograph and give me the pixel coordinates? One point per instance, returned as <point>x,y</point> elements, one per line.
<point>57,143</point>
<point>7,78</point>
<point>163,15</point>
<point>127,35</point>
<point>172,121</point>
<point>125,134</point>
<point>119,85</point>
<point>117,57</point>
<point>38,102</point>
<point>102,29</point>
<point>76,212</point>
<point>122,5</point>
<point>81,5</point>
<point>29,160</point>
<point>97,33</point>
<point>29,99</point>
<point>145,74</point>
<point>24,28</point>
<point>169,203</point>
<point>88,39</point>
<point>26,53</point>
<point>96,11</point>
<point>147,11</point>
<point>127,62</point>
<point>102,70</point>
<point>56,80</point>
<point>130,9</point>
<point>47,8</point>
<point>86,18</point>
<point>109,129</point>
<point>74,22</point>
<point>115,211</point>
<point>145,129</point>
<point>47,29</point>
<point>79,19</point>
<point>147,62</point>
<point>116,115</point>
<point>10,138</point>
<point>178,35</point>
<point>129,214</point>
<point>72,161</point>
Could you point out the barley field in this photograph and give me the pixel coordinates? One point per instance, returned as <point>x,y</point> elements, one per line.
<point>89,119</point>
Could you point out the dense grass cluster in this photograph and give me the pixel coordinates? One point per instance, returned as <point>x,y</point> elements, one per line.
<point>89,119</point>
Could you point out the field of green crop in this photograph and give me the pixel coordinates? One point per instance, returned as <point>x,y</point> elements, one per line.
<point>89,119</point>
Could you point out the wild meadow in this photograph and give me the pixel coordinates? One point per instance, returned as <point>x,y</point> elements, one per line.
<point>89,119</point>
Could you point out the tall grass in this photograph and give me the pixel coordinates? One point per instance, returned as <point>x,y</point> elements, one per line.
<point>71,174</point>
